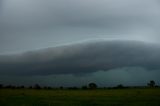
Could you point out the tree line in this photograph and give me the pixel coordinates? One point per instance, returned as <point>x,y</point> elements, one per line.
<point>151,84</point>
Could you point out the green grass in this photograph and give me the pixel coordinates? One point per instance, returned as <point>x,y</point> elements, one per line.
<point>112,97</point>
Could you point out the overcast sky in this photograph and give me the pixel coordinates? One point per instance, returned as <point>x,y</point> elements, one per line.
<point>33,24</point>
<point>28,25</point>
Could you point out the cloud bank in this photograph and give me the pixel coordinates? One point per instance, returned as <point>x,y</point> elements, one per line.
<point>81,58</point>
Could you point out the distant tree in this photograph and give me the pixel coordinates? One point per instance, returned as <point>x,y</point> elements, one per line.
<point>47,87</point>
<point>61,87</point>
<point>1,86</point>
<point>30,87</point>
<point>10,86</point>
<point>73,88</point>
<point>84,87</point>
<point>120,86</point>
<point>92,86</point>
<point>37,86</point>
<point>151,83</point>
<point>7,86</point>
<point>22,87</point>
<point>156,86</point>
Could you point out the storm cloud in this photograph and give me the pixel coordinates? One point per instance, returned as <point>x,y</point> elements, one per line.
<point>52,41</point>
<point>55,22</point>
<point>82,58</point>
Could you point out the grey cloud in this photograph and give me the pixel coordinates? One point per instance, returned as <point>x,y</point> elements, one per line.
<point>65,12</point>
<point>86,57</point>
<point>52,22</point>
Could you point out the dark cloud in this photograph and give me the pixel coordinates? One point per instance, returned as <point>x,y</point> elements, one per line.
<point>128,76</point>
<point>86,57</point>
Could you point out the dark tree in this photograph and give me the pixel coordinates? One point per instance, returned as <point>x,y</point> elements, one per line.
<point>120,86</point>
<point>151,83</point>
<point>47,87</point>
<point>92,86</point>
<point>84,87</point>
<point>30,87</point>
<point>37,86</point>
<point>22,87</point>
<point>61,87</point>
<point>1,86</point>
<point>73,88</point>
<point>11,86</point>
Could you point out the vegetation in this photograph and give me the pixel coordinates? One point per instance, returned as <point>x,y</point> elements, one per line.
<point>92,86</point>
<point>89,95</point>
<point>99,97</point>
<point>151,83</point>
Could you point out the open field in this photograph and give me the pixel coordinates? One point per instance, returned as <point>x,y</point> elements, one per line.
<point>100,97</point>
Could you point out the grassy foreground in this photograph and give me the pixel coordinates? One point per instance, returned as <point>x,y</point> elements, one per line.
<point>110,97</point>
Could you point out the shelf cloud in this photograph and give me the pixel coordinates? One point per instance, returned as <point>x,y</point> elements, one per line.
<point>62,40</point>
<point>82,58</point>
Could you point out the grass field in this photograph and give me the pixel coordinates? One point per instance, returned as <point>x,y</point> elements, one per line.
<point>108,97</point>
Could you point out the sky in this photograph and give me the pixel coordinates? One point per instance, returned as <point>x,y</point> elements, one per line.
<point>68,28</point>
